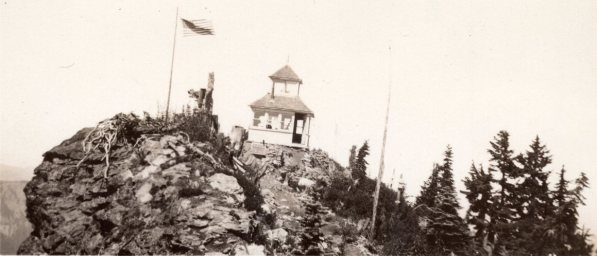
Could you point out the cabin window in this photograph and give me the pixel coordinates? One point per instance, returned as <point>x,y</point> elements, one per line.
<point>287,122</point>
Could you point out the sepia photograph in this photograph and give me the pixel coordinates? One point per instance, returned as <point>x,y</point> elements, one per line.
<point>312,127</point>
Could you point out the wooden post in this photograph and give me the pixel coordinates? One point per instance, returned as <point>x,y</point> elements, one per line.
<point>172,66</point>
<point>308,130</point>
<point>383,150</point>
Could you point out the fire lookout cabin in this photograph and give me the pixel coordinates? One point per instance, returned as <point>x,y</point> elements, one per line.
<point>280,117</point>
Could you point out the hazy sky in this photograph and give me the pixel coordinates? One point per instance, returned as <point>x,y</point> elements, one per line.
<point>461,71</point>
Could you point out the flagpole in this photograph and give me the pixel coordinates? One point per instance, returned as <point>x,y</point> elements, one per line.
<point>172,65</point>
<point>383,150</point>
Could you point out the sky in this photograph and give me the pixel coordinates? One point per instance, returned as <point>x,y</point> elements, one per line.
<point>459,71</point>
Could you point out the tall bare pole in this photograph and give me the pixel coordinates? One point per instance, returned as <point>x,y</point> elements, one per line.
<point>383,150</point>
<point>172,66</point>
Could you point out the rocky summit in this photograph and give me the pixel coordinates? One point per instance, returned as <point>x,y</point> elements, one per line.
<point>161,196</point>
<point>127,187</point>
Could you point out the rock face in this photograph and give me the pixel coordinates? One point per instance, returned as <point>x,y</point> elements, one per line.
<point>289,174</point>
<point>162,195</point>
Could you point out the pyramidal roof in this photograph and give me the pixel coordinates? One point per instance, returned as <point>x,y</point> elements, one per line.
<point>293,104</point>
<point>286,74</point>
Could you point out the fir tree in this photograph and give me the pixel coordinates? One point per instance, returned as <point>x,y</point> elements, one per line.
<point>360,165</point>
<point>568,241</point>
<point>430,188</point>
<point>447,229</point>
<point>311,237</point>
<point>505,203</point>
<point>565,215</point>
<point>446,181</point>
<point>514,212</point>
<point>478,193</point>
<point>404,232</point>
<point>534,190</point>
<point>561,192</point>
<point>536,204</point>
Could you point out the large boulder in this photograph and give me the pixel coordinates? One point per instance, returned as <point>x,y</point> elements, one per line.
<point>227,184</point>
<point>160,196</point>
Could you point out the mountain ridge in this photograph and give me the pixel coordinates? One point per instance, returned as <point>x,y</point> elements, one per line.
<point>14,226</point>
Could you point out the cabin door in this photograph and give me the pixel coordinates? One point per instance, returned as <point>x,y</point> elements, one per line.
<point>299,126</point>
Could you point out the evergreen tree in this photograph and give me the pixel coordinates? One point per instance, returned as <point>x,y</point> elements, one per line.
<point>565,215</point>
<point>446,229</point>
<point>514,212</point>
<point>536,204</point>
<point>565,233</point>
<point>446,181</point>
<point>404,232</point>
<point>311,237</point>
<point>478,193</point>
<point>430,188</point>
<point>360,165</point>
<point>445,232</point>
<point>534,190</point>
<point>506,203</point>
<point>561,192</point>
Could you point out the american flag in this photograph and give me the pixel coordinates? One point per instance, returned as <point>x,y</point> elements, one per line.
<point>197,27</point>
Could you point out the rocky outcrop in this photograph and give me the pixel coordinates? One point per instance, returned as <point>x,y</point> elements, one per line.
<point>154,191</point>
<point>287,176</point>
<point>162,195</point>
<point>298,168</point>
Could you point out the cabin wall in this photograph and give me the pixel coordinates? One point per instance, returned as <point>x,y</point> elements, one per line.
<point>273,120</point>
<point>269,136</point>
<point>276,127</point>
<point>288,89</point>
